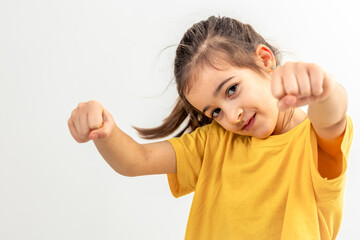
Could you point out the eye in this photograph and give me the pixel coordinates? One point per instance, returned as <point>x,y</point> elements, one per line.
<point>231,90</point>
<point>215,113</point>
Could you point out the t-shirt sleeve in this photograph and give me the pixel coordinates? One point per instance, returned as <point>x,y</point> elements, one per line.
<point>189,151</point>
<point>328,189</point>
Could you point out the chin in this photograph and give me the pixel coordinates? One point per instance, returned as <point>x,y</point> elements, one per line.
<point>262,135</point>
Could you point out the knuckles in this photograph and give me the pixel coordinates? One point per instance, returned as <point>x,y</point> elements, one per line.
<point>84,106</point>
<point>305,93</point>
<point>313,66</point>
<point>289,74</point>
<point>93,103</point>
<point>81,111</point>
<point>300,65</point>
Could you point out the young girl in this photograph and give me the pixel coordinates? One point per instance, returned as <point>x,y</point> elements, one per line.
<point>261,168</point>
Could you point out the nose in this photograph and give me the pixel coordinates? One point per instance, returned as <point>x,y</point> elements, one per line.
<point>234,115</point>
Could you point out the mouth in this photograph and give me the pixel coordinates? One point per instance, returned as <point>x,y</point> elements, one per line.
<point>249,123</point>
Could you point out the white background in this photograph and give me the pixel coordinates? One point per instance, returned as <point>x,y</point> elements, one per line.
<point>54,54</point>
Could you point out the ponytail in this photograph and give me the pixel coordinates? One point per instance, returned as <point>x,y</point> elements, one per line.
<point>182,111</point>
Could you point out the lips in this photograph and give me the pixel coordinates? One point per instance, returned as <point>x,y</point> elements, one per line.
<point>248,121</point>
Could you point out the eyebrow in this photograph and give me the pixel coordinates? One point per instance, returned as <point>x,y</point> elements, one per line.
<point>217,90</point>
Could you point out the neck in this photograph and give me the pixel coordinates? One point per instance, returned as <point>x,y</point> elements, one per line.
<point>288,120</point>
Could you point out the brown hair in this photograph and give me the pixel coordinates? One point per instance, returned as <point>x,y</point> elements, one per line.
<point>207,43</point>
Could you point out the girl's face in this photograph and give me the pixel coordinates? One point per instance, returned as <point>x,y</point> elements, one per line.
<point>239,99</point>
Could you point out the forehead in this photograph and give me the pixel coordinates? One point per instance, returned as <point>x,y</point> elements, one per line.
<point>201,91</point>
<point>206,76</point>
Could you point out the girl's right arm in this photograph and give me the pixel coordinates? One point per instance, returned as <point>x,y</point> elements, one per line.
<point>91,121</point>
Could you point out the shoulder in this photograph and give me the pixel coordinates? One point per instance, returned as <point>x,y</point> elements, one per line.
<point>344,137</point>
<point>333,152</point>
<point>212,128</point>
<point>211,133</point>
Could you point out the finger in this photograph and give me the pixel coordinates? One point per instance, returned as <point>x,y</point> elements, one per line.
<point>328,84</point>
<point>303,81</point>
<point>316,79</point>
<point>73,131</point>
<point>82,123</point>
<point>290,84</point>
<point>100,133</point>
<point>306,101</point>
<point>106,128</point>
<point>95,115</point>
<point>277,87</point>
<point>287,102</point>
<point>76,124</point>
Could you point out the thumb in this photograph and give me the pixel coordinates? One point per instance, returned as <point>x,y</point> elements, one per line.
<point>287,102</point>
<point>105,130</point>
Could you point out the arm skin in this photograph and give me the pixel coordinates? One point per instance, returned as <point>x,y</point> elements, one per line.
<point>129,158</point>
<point>328,117</point>
<point>91,121</point>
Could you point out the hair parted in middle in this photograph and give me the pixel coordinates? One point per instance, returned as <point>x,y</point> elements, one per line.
<point>207,43</point>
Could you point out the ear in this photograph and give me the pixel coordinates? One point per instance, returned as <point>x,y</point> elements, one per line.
<point>266,57</point>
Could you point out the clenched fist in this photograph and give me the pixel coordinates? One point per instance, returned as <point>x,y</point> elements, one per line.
<point>297,84</point>
<point>90,121</point>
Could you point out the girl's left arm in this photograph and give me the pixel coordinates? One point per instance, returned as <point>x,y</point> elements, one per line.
<point>328,117</point>
<point>299,84</point>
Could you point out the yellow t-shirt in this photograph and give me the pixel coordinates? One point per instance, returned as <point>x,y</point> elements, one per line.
<point>267,189</point>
